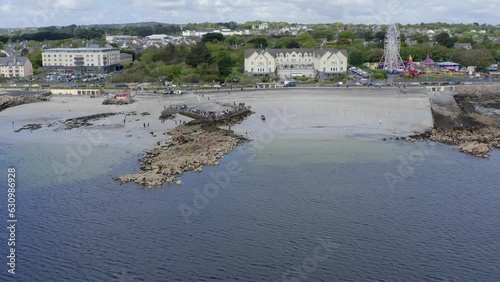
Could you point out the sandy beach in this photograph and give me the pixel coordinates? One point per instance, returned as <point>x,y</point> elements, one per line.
<point>290,114</point>
<point>309,113</point>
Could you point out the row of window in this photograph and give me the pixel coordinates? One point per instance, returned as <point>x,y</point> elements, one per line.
<point>80,51</point>
<point>260,63</point>
<point>61,64</point>
<point>261,70</point>
<point>293,55</point>
<point>66,60</point>
<point>71,56</point>
<point>335,69</point>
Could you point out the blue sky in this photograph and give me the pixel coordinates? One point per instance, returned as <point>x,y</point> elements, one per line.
<point>38,13</point>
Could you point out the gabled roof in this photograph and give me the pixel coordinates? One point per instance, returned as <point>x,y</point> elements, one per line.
<point>314,51</point>
<point>462,45</point>
<point>9,61</point>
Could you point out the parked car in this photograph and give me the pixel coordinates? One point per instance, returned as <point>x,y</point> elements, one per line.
<point>120,85</point>
<point>290,84</point>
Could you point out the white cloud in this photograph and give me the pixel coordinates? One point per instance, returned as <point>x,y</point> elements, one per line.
<point>6,8</point>
<point>299,11</point>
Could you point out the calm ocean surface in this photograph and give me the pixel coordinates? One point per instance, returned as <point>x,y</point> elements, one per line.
<point>298,210</point>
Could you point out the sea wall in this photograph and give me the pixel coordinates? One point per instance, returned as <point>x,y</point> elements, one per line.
<point>7,101</point>
<point>446,113</point>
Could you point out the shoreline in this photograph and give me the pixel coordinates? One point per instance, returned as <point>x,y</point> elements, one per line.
<point>301,113</point>
<point>192,147</point>
<point>470,122</point>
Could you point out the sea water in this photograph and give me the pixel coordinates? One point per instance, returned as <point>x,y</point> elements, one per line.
<point>345,209</point>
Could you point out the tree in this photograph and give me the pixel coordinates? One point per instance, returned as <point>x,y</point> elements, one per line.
<point>366,34</point>
<point>306,40</point>
<point>379,75</point>
<point>380,35</point>
<point>438,53</point>
<point>259,42</point>
<point>224,63</point>
<point>24,52</point>
<point>234,40</point>
<point>284,41</point>
<point>293,45</point>
<point>344,41</point>
<point>209,37</point>
<point>36,59</point>
<point>357,57</point>
<point>128,51</point>
<point>347,35</point>
<point>444,39</point>
<point>477,57</point>
<point>320,34</point>
<point>199,54</point>
<point>420,38</point>
<point>376,55</point>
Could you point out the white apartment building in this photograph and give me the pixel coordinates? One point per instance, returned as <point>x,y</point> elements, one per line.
<point>291,63</point>
<point>95,59</point>
<point>114,38</point>
<point>224,31</point>
<point>15,67</point>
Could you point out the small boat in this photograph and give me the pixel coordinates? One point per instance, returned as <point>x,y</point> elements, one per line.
<point>262,117</point>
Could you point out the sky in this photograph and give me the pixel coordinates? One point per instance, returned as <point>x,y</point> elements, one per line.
<point>39,13</point>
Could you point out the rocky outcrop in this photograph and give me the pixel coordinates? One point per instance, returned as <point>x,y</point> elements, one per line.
<point>169,113</point>
<point>236,117</point>
<point>190,149</point>
<point>30,127</point>
<point>7,101</point>
<point>113,101</point>
<point>85,121</point>
<point>475,148</point>
<point>479,133</point>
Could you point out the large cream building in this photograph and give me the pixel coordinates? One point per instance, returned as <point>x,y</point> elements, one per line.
<point>290,63</point>
<point>96,59</point>
<point>15,67</point>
